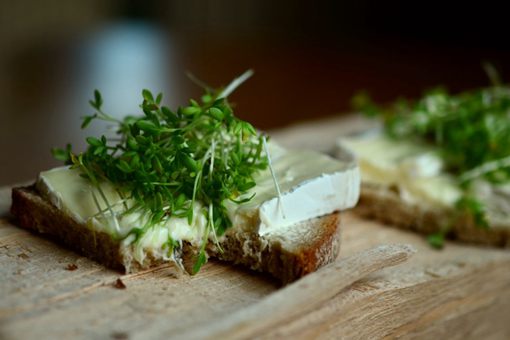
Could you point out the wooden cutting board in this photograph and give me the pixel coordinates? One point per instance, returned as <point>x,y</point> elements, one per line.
<point>47,291</point>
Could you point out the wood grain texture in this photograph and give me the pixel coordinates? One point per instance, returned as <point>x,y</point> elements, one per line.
<point>460,292</point>
<point>303,296</point>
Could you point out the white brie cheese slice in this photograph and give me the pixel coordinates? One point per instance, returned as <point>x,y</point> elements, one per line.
<point>312,185</point>
<point>73,194</point>
<point>415,169</point>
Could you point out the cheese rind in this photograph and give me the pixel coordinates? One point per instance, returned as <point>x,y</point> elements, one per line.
<point>312,185</point>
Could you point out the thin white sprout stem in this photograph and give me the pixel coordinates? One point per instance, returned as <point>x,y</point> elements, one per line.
<point>123,199</point>
<point>275,181</point>
<point>223,150</point>
<point>211,220</point>
<point>195,185</point>
<point>211,223</point>
<point>213,146</point>
<point>198,82</point>
<point>230,87</point>
<point>100,211</point>
<point>204,159</point>
<point>115,221</point>
<point>235,84</point>
<point>485,168</point>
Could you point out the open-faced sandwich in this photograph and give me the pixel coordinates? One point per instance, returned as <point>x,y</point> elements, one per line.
<point>181,186</point>
<point>439,166</point>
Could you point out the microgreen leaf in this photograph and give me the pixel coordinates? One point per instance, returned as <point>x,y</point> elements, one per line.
<point>87,120</point>
<point>94,141</point>
<point>191,110</point>
<point>475,208</point>
<point>98,100</point>
<point>63,155</point>
<point>436,240</point>
<point>199,262</point>
<point>159,98</point>
<point>216,113</point>
<point>147,126</point>
<point>147,95</point>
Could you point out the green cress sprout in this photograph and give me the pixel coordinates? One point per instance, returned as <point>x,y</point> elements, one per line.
<point>471,131</point>
<point>166,160</point>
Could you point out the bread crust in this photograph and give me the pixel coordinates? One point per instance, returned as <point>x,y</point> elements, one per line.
<point>35,213</point>
<point>386,205</point>
<point>262,253</point>
<point>315,242</point>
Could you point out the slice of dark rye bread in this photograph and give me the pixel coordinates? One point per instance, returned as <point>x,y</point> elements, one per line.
<point>287,255</point>
<point>386,205</point>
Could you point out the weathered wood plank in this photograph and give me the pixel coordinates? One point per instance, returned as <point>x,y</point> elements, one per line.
<point>460,292</point>
<point>462,289</point>
<point>303,296</point>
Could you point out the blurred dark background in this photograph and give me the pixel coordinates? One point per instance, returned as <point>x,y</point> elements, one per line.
<point>309,58</point>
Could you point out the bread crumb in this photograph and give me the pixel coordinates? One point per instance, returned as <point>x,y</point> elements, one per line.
<point>71,267</point>
<point>119,335</point>
<point>119,284</point>
<point>23,256</point>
